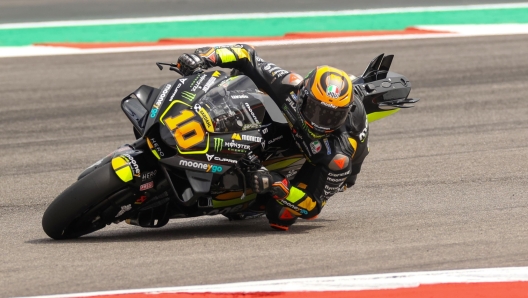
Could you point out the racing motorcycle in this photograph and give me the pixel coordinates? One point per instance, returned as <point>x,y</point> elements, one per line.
<point>196,137</point>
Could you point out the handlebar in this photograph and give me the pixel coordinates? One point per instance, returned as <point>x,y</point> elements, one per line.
<point>177,68</point>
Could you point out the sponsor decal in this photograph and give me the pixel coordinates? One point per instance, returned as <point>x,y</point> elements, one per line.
<point>218,144</point>
<point>290,102</point>
<point>132,162</point>
<point>251,138</point>
<point>157,104</point>
<point>291,173</point>
<point>250,155</point>
<point>208,123</point>
<point>320,127</point>
<point>296,208</point>
<point>175,91</point>
<point>216,74</point>
<point>268,66</point>
<point>264,131</point>
<point>339,162</point>
<point>250,126</point>
<point>201,166</point>
<point>280,73</point>
<point>333,91</point>
<point>295,79</point>
<point>198,80</point>
<point>124,209</point>
<point>141,200</point>
<point>275,139</point>
<point>149,175</point>
<point>188,95</point>
<point>363,134</point>
<point>331,188</point>
<point>327,145</point>
<point>146,186</point>
<point>183,80</point>
<point>339,174</point>
<point>263,144</point>
<point>336,180</point>
<point>328,105</point>
<point>239,137</point>
<point>157,147</point>
<point>310,132</point>
<point>251,112</point>
<point>239,96</point>
<point>315,146</point>
<point>232,145</point>
<point>211,55</point>
<point>236,145</point>
<point>224,159</point>
<point>209,83</point>
<point>209,156</point>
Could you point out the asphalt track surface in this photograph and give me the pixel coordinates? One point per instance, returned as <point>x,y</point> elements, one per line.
<point>15,11</point>
<point>444,187</point>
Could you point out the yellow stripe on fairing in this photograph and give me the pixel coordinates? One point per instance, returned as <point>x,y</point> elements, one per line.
<point>378,115</point>
<point>122,169</point>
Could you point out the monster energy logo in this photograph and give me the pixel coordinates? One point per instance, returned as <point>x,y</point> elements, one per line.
<point>219,144</point>
<point>188,95</point>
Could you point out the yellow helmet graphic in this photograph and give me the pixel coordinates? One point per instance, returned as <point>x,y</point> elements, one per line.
<point>326,98</point>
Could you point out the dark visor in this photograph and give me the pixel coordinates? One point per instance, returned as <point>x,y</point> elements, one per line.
<point>324,117</point>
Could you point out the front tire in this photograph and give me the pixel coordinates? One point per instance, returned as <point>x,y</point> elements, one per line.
<point>66,216</point>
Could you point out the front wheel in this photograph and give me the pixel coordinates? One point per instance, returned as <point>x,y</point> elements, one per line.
<point>75,212</point>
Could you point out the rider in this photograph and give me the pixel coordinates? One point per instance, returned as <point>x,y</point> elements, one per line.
<point>327,125</point>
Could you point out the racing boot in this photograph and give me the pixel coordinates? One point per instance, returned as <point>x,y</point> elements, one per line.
<point>279,217</point>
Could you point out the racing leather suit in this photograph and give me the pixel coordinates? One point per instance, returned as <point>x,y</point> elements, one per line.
<point>332,161</point>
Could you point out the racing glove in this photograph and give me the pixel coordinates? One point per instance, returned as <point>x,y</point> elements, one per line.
<point>189,63</point>
<point>262,181</point>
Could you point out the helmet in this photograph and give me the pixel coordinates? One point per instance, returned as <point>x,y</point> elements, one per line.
<point>325,98</point>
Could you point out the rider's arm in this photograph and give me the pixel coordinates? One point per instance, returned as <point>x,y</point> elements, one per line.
<point>267,76</point>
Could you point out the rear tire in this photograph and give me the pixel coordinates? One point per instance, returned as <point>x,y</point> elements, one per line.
<point>63,218</point>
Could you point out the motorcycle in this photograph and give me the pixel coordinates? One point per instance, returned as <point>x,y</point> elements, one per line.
<point>196,137</point>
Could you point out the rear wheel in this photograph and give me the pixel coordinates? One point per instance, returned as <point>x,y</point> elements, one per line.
<point>76,211</point>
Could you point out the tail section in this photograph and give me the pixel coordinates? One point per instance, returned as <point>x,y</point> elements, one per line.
<point>382,92</point>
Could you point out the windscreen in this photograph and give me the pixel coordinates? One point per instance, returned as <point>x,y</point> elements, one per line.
<point>233,105</point>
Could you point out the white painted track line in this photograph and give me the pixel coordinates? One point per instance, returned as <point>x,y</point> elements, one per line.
<point>341,283</point>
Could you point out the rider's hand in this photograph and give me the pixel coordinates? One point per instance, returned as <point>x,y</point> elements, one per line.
<point>260,181</point>
<point>188,63</point>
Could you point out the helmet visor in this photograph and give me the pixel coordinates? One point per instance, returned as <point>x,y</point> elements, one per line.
<point>322,116</point>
